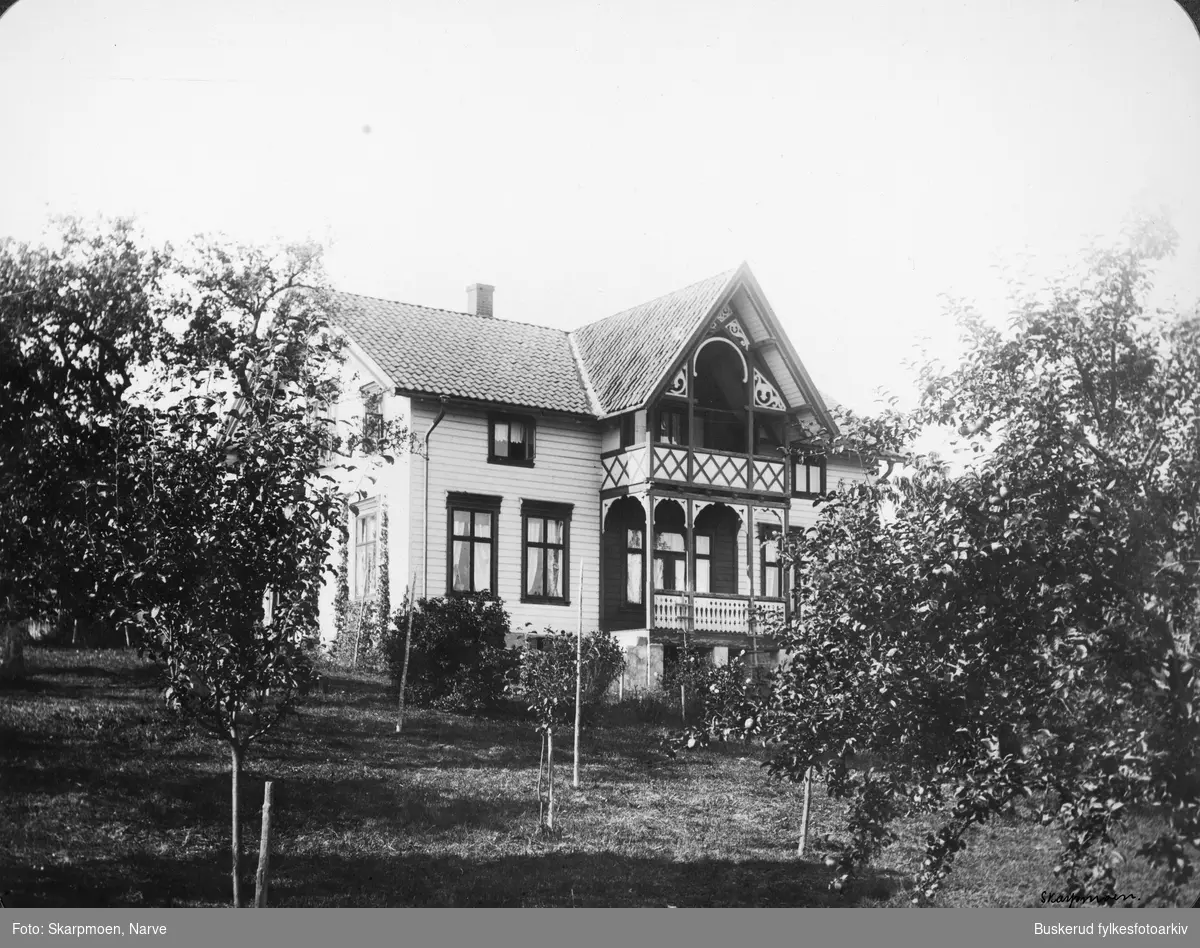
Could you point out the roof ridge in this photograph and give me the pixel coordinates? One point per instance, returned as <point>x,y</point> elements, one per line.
<point>455,312</point>
<point>725,274</point>
<point>585,377</point>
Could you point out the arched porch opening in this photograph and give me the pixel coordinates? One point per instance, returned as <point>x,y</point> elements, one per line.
<point>623,600</point>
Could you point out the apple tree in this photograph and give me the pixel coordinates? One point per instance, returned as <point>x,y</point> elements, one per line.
<point>1021,633</point>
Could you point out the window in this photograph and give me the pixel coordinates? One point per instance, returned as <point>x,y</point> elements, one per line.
<point>771,582</point>
<point>704,548</point>
<point>372,432</point>
<point>628,430</point>
<point>808,479</point>
<point>545,555</point>
<point>670,560</point>
<point>672,426</point>
<point>635,567</point>
<point>366,539</point>
<point>472,539</point>
<point>511,439</point>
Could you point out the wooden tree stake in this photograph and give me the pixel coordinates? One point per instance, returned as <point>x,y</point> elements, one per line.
<point>264,851</point>
<point>541,767</point>
<point>235,753</point>
<point>409,595</point>
<point>550,777</point>
<point>804,813</point>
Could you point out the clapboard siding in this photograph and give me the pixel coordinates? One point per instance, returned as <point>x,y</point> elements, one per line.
<point>566,470</point>
<point>803,513</point>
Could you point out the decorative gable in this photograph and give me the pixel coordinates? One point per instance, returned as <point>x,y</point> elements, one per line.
<point>765,395</point>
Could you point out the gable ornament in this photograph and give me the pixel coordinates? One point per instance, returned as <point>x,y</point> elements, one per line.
<point>765,395</point>
<point>734,328</point>
<point>720,319</point>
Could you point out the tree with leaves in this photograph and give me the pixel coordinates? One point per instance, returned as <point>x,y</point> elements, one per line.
<point>1023,633</point>
<point>233,517</point>
<point>547,681</point>
<point>79,317</point>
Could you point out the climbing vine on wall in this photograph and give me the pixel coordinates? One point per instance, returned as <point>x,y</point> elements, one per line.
<point>341,595</point>
<point>375,615</point>
<point>383,608</point>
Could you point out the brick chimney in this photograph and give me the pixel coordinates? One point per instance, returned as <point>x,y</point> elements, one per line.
<point>479,299</point>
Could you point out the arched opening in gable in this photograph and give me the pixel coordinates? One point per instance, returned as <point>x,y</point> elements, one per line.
<point>721,398</point>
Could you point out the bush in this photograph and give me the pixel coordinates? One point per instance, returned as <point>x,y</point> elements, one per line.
<point>715,693</point>
<point>547,675</point>
<point>458,658</point>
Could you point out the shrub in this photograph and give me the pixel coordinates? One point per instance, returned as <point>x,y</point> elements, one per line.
<point>457,658</point>
<point>715,693</point>
<point>547,674</point>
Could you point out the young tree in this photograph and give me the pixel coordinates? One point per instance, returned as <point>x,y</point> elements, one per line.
<point>1026,629</point>
<point>553,678</point>
<point>233,517</point>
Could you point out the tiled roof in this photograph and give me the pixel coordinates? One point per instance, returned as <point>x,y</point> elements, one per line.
<point>605,367</point>
<point>461,355</point>
<point>627,355</point>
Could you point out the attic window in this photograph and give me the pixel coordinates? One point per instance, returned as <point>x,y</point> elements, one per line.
<point>372,432</point>
<point>511,439</point>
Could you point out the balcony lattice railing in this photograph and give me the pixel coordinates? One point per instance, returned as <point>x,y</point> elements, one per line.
<point>700,468</point>
<point>730,614</point>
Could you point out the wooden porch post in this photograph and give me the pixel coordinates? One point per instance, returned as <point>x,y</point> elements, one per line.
<point>649,563</point>
<point>785,586</point>
<point>750,574</point>
<point>689,582</point>
<point>601,620</point>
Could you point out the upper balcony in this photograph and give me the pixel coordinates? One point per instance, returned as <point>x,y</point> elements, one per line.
<point>707,468</point>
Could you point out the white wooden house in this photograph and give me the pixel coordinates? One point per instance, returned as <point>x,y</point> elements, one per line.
<point>648,449</point>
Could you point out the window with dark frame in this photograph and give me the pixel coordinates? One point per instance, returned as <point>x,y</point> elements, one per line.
<point>704,548</point>
<point>635,567</point>
<point>546,552</point>
<point>472,543</point>
<point>771,574</point>
<point>511,439</point>
<point>372,430</point>
<point>672,426</point>
<point>366,553</point>
<point>809,476</point>
<point>670,560</point>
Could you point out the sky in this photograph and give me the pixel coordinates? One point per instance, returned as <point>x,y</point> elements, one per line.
<point>864,158</point>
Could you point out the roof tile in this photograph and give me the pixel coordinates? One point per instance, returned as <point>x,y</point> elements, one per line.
<point>605,367</point>
<point>442,352</point>
<point>628,354</point>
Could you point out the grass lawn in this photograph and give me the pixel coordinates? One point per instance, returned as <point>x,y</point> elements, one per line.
<point>109,800</point>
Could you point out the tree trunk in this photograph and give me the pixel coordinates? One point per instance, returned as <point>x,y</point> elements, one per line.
<point>236,754</point>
